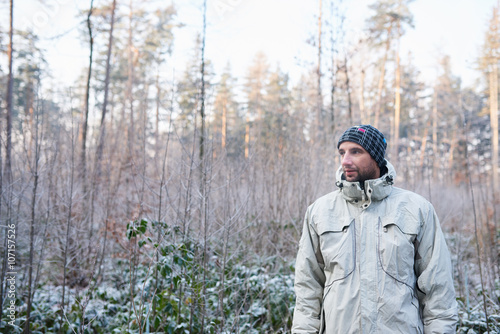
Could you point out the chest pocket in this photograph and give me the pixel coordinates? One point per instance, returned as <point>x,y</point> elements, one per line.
<point>338,247</point>
<point>397,235</point>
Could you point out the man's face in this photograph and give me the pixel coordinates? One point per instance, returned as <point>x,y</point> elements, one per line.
<point>357,163</point>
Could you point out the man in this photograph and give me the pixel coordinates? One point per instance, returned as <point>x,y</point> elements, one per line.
<point>372,257</point>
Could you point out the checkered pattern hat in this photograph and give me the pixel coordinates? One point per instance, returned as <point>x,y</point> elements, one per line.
<point>371,139</point>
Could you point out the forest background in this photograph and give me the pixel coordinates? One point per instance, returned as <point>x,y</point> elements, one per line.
<point>145,191</point>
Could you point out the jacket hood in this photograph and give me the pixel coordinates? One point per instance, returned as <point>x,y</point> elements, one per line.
<point>375,189</point>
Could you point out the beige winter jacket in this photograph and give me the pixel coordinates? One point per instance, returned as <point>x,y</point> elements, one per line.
<point>373,261</point>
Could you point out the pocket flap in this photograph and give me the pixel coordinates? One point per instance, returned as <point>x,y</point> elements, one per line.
<point>404,220</point>
<point>334,225</point>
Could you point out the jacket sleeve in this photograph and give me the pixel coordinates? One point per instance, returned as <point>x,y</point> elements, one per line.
<point>309,281</point>
<point>433,268</point>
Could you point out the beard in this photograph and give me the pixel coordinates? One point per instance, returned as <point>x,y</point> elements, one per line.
<point>361,175</point>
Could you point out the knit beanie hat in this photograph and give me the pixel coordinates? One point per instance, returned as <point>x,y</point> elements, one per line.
<point>371,139</point>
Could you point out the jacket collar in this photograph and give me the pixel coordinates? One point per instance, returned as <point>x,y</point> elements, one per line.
<point>375,189</point>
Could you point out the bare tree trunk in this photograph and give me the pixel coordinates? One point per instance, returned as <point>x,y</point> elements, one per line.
<point>7,176</point>
<point>29,110</point>
<point>348,89</point>
<point>67,241</point>
<point>158,101</point>
<point>10,100</point>
<point>333,74</point>
<point>127,162</point>
<point>160,229</point>
<point>224,124</point>
<point>203,166</point>
<point>247,136</point>
<point>130,80</point>
<point>451,157</point>
<point>423,146</point>
<point>319,107</point>
<point>380,88</point>
<point>364,118</point>
<point>106,82</point>
<point>102,135</point>
<point>106,94</point>
<point>202,93</point>
<point>85,114</point>
<point>397,101</point>
<point>434,135</point>
<point>225,239</point>
<point>493,78</point>
<point>32,228</point>
<point>47,217</point>
<point>476,234</point>
<point>83,136</point>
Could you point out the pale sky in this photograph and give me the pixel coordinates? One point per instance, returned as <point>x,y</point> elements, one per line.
<point>238,29</point>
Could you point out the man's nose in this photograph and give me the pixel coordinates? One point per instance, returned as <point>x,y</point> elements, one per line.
<point>346,160</point>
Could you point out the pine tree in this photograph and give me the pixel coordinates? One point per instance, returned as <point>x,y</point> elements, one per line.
<point>385,26</point>
<point>256,80</point>
<point>489,64</point>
